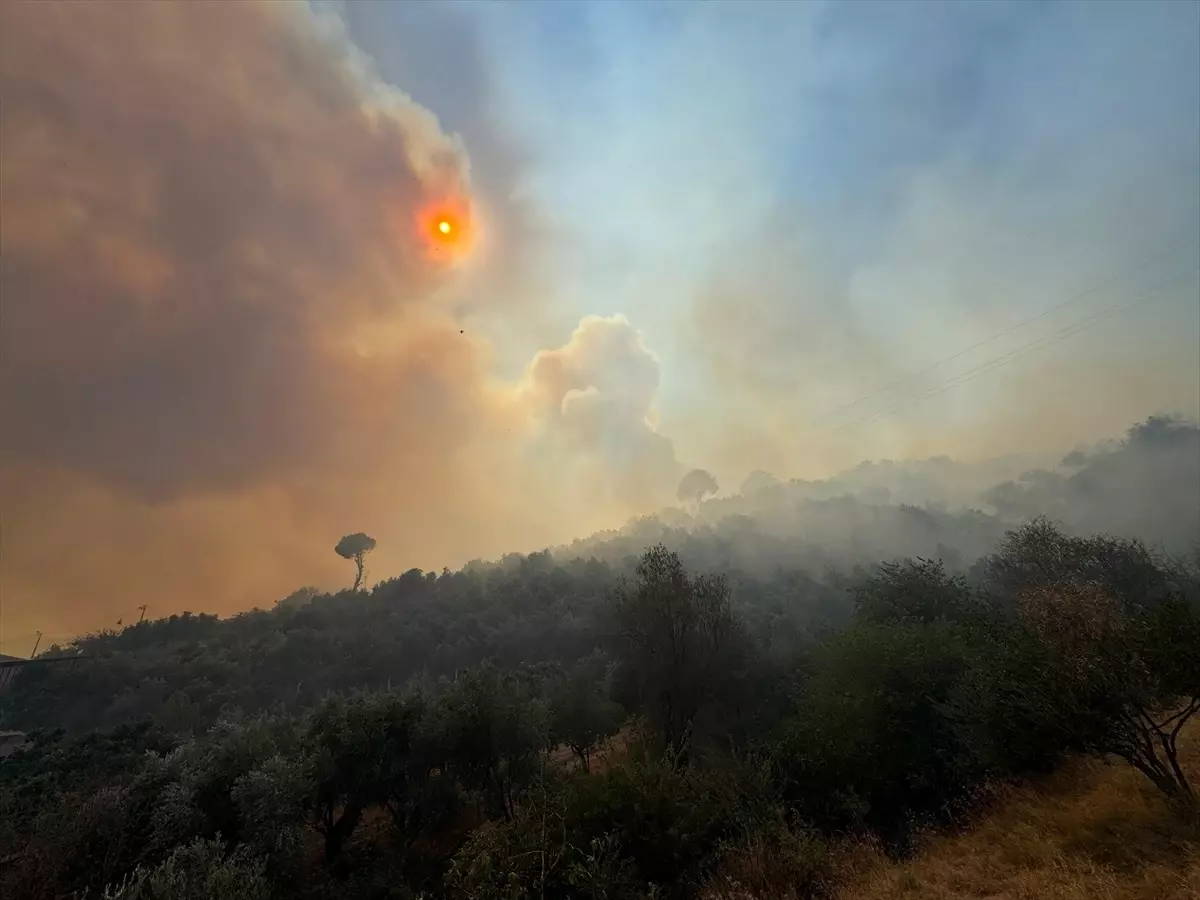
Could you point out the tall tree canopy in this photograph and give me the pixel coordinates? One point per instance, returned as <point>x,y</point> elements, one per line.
<point>356,547</point>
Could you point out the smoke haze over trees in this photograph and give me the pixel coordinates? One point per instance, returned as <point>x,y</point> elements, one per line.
<point>774,430</point>
<point>342,741</point>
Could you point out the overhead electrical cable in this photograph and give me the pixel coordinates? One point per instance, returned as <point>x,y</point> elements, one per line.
<point>1005,359</point>
<point>1172,248</point>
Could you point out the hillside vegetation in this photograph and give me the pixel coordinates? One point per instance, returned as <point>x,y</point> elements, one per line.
<point>1088,832</point>
<point>689,710</point>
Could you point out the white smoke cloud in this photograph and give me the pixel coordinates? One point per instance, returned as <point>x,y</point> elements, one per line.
<point>594,400</point>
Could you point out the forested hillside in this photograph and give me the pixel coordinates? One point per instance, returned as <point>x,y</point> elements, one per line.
<point>715,705</point>
<point>1146,486</point>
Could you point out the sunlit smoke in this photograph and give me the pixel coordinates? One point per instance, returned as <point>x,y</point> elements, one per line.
<point>447,227</point>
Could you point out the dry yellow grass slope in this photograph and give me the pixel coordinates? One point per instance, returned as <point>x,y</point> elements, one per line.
<point>1090,832</point>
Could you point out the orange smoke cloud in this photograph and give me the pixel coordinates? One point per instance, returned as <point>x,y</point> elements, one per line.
<point>219,352</point>
<point>221,246</point>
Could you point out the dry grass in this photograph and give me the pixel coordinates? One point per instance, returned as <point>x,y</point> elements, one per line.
<point>609,751</point>
<point>1090,832</point>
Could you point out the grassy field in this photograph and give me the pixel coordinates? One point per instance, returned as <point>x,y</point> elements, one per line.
<point>1090,832</point>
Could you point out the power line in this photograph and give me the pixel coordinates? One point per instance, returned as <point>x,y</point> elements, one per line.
<point>999,362</point>
<point>972,244</point>
<point>1003,360</point>
<point>1063,333</point>
<point>1074,298</point>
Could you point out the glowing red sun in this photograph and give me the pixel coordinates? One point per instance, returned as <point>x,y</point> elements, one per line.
<point>446,229</point>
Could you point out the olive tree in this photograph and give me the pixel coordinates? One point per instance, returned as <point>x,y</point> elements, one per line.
<point>582,712</point>
<point>1123,680</point>
<point>679,641</point>
<point>488,729</point>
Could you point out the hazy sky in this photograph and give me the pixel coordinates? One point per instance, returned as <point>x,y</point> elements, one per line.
<point>737,236</point>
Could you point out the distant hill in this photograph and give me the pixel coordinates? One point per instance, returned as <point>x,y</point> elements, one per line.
<point>1145,486</point>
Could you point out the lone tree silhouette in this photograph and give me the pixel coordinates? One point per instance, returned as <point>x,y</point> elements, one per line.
<point>695,485</point>
<point>355,546</point>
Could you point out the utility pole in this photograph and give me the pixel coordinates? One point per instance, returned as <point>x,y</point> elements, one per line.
<point>35,645</point>
<point>143,615</point>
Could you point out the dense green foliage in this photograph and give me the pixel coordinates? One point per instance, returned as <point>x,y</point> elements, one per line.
<point>453,735</point>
